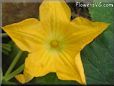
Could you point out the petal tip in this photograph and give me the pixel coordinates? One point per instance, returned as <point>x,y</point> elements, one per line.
<point>20,78</point>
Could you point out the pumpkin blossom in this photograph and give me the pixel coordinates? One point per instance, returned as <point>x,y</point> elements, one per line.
<point>54,42</point>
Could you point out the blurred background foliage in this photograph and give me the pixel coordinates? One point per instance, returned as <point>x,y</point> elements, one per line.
<point>97,57</point>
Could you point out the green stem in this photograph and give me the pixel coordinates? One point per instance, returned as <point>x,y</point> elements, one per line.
<point>13,74</point>
<point>0,28</point>
<point>6,47</point>
<point>3,35</point>
<point>13,63</point>
<point>8,83</point>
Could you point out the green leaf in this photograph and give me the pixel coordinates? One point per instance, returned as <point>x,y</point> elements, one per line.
<point>51,79</point>
<point>103,14</point>
<point>98,56</point>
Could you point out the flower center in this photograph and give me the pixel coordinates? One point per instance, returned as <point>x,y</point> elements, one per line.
<point>54,43</point>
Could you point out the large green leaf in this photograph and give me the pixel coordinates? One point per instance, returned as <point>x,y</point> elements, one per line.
<point>51,79</point>
<point>98,56</point>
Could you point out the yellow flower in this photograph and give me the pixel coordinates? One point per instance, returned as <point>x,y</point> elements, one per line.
<point>54,43</point>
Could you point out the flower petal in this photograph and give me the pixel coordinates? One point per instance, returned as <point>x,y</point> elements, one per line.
<point>54,11</point>
<point>26,34</point>
<point>85,32</point>
<point>79,67</point>
<point>24,78</point>
<point>39,63</point>
<point>67,68</point>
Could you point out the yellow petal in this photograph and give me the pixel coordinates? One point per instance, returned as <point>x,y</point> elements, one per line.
<point>54,11</point>
<point>24,78</point>
<point>66,67</point>
<point>26,34</point>
<point>54,14</point>
<point>85,31</point>
<point>79,67</point>
<point>39,63</point>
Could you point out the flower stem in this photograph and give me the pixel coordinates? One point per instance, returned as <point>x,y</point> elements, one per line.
<point>6,47</point>
<point>3,35</point>
<point>13,63</point>
<point>13,74</point>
